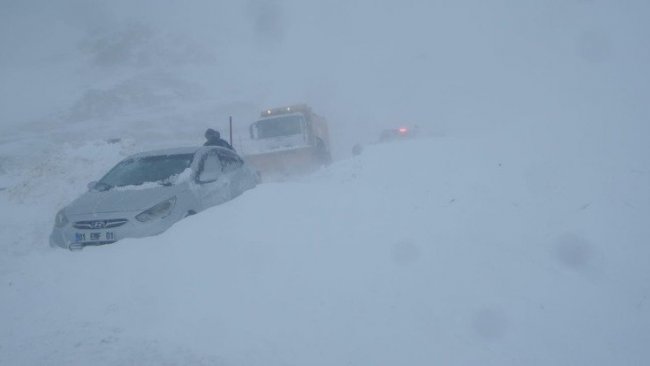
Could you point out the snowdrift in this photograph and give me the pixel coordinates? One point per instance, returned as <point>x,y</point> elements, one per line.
<point>455,251</point>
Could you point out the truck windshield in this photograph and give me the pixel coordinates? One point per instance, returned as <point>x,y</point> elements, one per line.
<point>279,126</point>
<point>137,171</point>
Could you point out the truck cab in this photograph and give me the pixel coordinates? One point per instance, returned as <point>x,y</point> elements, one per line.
<point>289,140</point>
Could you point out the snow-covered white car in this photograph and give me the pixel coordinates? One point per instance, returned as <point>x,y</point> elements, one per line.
<point>146,193</point>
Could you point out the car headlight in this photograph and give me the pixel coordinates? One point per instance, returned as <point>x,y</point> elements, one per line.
<point>60,220</point>
<point>161,210</point>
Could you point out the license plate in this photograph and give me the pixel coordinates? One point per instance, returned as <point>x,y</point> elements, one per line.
<point>94,237</point>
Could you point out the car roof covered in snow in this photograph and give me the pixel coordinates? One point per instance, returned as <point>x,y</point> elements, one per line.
<point>171,151</point>
<point>176,151</point>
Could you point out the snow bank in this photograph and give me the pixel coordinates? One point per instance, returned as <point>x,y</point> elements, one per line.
<point>40,180</point>
<point>437,251</point>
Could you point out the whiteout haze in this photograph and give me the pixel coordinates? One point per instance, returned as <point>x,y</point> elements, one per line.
<point>514,232</point>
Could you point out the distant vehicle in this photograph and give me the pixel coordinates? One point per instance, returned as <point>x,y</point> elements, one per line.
<point>146,193</point>
<point>289,140</point>
<point>400,133</point>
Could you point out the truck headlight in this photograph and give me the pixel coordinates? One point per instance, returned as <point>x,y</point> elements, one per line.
<point>161,210</point>
<point>60,220</point>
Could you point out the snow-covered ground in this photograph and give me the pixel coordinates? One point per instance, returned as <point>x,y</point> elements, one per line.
<point>515,234</point>
<point>458,251</point>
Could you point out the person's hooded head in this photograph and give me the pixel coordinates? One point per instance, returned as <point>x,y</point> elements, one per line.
<point>211,134</point>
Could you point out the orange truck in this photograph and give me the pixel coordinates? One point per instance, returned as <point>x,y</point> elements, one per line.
<point>288,141</point>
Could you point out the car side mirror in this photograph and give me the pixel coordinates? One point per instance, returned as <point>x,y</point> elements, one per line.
<point>208,176</point>
<point>92,185</point>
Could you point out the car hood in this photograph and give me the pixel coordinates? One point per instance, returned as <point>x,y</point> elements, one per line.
<point>120,200</point>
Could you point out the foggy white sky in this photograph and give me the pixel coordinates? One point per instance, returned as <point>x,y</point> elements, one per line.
<point>363,64</point>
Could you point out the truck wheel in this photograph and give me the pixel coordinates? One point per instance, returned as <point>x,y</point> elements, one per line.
<point>322,154</point>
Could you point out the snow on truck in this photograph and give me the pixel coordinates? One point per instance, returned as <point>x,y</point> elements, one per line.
<point>287,141</point>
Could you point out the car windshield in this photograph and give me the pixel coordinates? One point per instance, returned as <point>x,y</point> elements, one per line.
<point>279,126</point>
<point>137,171</point>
